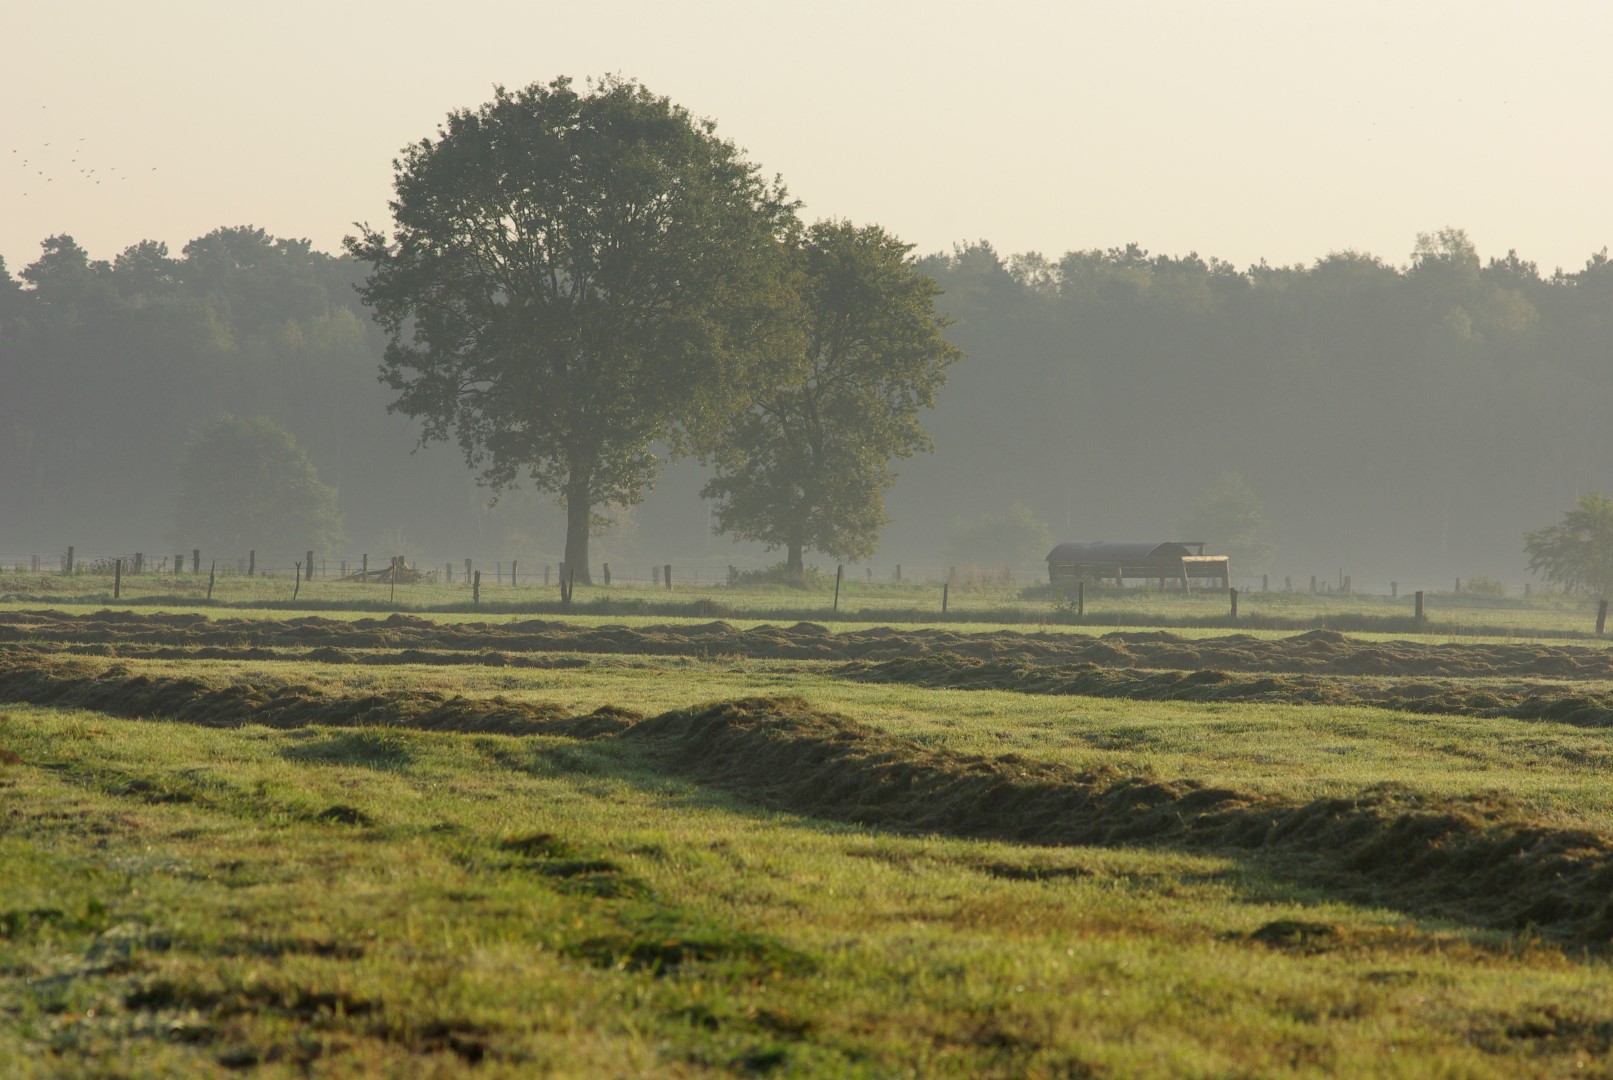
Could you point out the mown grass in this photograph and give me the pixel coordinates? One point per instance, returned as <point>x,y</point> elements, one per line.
<point>1557,771</point>
<point>410,903</point>
<point>388,901</point>
<point>1431,633</point>
<point>883,603</point>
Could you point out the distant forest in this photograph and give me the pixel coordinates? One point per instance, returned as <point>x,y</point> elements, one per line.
<point>1398,421</point>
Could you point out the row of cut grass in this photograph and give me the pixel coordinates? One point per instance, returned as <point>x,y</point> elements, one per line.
<point>380,901</point>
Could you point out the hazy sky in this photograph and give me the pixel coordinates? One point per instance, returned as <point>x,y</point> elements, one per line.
<point>1279,130</point>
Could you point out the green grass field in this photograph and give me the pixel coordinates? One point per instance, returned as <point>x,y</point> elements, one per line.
<point>281,866</point>
<point>1546,615</point>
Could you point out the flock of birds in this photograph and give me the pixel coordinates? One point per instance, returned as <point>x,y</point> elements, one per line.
<point>47,171</point>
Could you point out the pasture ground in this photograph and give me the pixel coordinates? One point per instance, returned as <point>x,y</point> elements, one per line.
<point>322,843</point>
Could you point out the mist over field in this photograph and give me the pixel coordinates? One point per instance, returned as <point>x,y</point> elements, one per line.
<point>837,540</point>
<point>1401,417</point>
<point>1313,289</point>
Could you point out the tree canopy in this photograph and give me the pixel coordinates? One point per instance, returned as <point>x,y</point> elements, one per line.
<point>1577,552</point>
<point>807,466</point>
<point>571,278</point>
<point>247,486</point>
<point>1230,518</point>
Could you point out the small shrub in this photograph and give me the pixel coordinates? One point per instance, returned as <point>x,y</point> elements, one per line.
<point>781,574</point>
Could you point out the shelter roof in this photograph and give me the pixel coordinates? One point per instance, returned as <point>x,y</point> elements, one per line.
<point>1114,554</point>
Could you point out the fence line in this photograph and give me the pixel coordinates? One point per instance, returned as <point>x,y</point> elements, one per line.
<point>640,573</point>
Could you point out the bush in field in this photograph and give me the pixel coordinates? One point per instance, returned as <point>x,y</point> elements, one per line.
<point>245,485</point>
<point>808,577</point>
<point>1577,552</point>
<point>1484,586</point>
<point>1230,517</point>
<point>1015,538</point>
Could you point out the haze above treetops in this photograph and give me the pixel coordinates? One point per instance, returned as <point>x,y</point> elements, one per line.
<point>1248,132</point>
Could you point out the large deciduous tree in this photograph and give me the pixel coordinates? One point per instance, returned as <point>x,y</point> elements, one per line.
<point>1577,552</point>
<point>807,466</point>
<point>571,278</point>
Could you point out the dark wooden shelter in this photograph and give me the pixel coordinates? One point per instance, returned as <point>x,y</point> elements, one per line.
<point>1181,561</point>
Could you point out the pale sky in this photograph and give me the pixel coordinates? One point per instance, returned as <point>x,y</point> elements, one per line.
<point>1245,130</point>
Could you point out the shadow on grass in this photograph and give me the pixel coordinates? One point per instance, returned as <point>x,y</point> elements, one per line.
<point>1480,861</point>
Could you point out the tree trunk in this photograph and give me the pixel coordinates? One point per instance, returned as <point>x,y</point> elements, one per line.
<point>793,563</point>
<point>579,510</point>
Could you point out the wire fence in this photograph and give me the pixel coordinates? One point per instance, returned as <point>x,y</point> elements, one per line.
<point>887,590</point>
<point>640,573</point>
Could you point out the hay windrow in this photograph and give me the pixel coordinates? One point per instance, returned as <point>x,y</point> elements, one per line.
<point>1318,652</point>
<point>119,693</point>
<point>1518,699</point>
<point>1315,668</point>
<point>1474,860</point>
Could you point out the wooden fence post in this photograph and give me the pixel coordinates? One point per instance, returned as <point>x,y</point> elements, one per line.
<point>1313,583</point>
<point>392,595</point>
<point>298,579</point>
<point>1458,586</point>
<point>476,587</point>
<point>1233,593</point>
<point>1265,583</point>
<point>212,575</point>
<point>179,562</point>
<point>1601,616</point>
<point>1347,588</point>
<point>898,571</point>
<point>945,588</point>
<point>117,579</point>
<point>666,575</point>
<point>196,561</point>
<point>607,575</point>
<point>139,565</point>
<point>1419,615</point>
<point>69,559</point>
<point>839,573</point>
<point>310,566</point>
<point>364,565</point>
<point>512,573</point>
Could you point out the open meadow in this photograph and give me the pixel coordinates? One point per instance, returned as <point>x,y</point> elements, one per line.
<point>339,839</point>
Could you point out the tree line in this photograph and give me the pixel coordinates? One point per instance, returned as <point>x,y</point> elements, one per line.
<point>660,294</point>
<point>1395,419</point>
